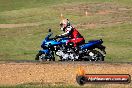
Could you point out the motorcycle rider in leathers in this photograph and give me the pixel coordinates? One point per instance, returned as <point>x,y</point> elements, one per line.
<point>71,32</point>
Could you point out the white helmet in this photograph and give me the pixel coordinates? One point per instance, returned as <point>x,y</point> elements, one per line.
<point>64,23</point>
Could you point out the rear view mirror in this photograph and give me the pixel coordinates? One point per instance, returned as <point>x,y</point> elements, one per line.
<point>49,30</point>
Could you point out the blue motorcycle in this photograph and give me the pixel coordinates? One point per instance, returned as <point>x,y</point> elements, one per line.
<point>49,47</point>
<point>91,51</point>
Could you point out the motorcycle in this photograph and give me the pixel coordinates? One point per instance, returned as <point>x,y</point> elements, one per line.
<point>49,47</point>
<point>91,51</point>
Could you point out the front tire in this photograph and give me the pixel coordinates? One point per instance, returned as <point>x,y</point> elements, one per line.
<point>37,56</point>
<point>42,57</point>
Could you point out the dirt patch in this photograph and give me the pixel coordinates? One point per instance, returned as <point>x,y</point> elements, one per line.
<point>57,73</point>
<point>96,15</point>
<point>19,25</point>
<point>104,12</point>
<point>89,25</point>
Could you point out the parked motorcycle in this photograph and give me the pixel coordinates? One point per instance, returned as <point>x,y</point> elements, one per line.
<point>91,51</point>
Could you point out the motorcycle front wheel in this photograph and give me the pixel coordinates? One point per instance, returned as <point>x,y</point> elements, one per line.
<point>42,57</point>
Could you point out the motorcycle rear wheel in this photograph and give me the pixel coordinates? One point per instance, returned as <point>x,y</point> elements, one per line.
<point>97,56</point>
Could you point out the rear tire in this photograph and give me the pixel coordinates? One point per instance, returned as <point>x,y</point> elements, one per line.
<point>97,56</point>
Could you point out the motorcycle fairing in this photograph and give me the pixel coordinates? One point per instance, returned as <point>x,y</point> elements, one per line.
<point>52,42</point>
<point>45,51</point>
<point>47,37</point>
<point>90,44</point>
<point>63,40</point>
<point>46,43</point>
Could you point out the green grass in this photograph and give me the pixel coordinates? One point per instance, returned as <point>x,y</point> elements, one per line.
<point>24,42</point>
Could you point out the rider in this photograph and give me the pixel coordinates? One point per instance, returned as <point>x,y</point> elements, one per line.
<point>71,32</point>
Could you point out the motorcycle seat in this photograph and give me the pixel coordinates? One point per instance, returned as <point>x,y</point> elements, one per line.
<point>95,40</point>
